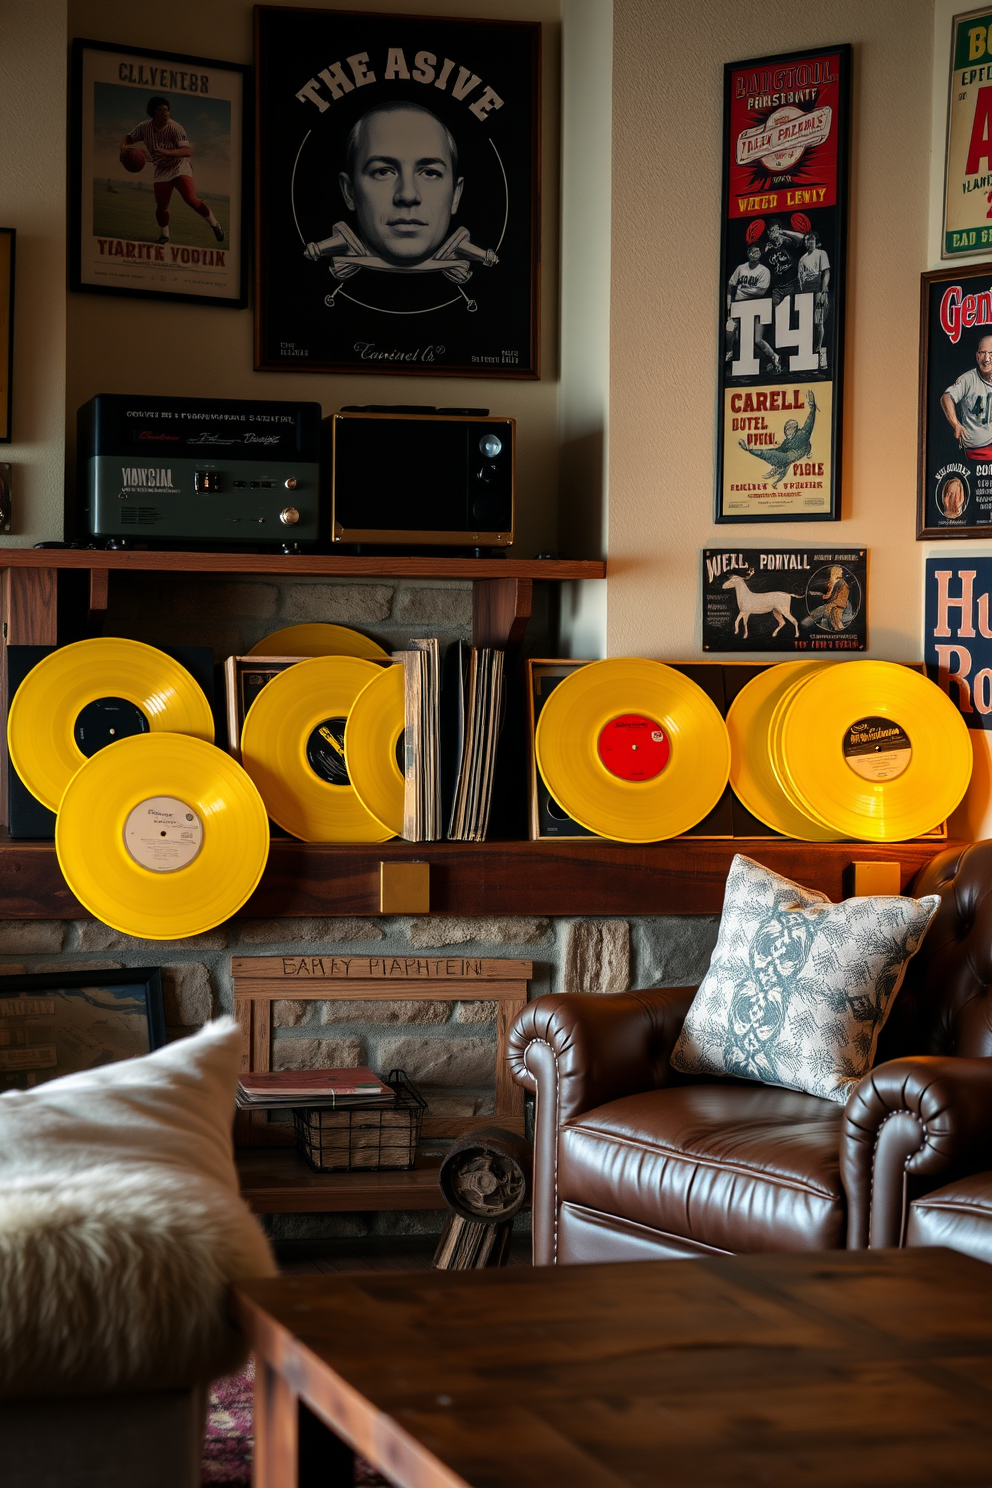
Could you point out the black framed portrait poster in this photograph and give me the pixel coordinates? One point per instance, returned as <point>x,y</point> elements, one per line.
<point>398,176</point>
<point>782,287</point>
<point>157,180</point>
<point>954,497</point>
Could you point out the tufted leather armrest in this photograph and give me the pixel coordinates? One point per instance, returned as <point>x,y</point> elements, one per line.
<point>578,1051</point>
<point>922,1116</point>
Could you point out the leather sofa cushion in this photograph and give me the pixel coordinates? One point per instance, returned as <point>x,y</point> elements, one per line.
<point>736,1168</point>
<point>958,1216</point>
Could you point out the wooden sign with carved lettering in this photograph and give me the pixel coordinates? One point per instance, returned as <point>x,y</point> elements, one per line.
<point>260,981</point>
<point>399,968</point>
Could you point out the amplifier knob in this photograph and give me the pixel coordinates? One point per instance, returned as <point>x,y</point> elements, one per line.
<point>289,516</point>
<point>291,483</point>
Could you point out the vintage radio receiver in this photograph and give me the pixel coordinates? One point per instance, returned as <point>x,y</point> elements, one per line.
<point>197,470</point>
<point>434,477</point>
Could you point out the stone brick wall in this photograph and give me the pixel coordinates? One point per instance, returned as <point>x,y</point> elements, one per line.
<point>448,1049</point>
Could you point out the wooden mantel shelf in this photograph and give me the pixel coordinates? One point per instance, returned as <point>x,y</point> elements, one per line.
<point>587,877</point>
<point>306,565</point>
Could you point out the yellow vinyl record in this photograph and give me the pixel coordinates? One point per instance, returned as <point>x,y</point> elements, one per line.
<point>371,739</point>
<point>93,693</point>
<point>632,749</point>
<point>752,773</point>
<point>292,746</point>
<point>318,640</point>
<point>875,750</point>
<point>162,836</point>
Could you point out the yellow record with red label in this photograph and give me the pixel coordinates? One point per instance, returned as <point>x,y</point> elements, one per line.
<point>372,740</point>
<point>318,640</point>
<point>162,836</point>
<point>93,693</point>
<point>632,749</point>
<point>872,749</point>
<point>752,774</point>
<point>292,746</point>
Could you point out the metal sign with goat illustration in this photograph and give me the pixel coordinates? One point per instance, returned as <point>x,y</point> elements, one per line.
<point>795,600</point>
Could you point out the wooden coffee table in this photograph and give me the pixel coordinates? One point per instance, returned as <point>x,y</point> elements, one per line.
<point>848,1368</point>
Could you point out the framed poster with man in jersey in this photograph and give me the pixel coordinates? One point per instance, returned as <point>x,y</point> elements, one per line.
<point>158,186</point>
<point>782,287</point>
<point>954,494</point>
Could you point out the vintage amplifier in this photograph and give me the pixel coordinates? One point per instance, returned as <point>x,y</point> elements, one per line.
<point>421,478</point>
<point>168,471</point>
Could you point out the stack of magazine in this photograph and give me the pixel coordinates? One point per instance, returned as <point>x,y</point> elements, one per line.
<point>282,1089</point>
<point>452,730</point>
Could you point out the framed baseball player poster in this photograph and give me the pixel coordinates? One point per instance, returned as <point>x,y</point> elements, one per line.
<point>398,194</point>
<point>968,156</point>
<point>782,284</point>
<point>954,490</point>
<point>157,176</point>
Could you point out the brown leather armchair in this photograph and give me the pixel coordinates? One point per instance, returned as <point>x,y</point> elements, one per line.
<point>633,1160</point>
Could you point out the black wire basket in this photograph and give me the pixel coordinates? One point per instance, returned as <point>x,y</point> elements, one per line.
<point>362,1133</point>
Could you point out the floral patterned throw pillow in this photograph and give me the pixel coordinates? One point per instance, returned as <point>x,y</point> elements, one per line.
<point>798,988</point>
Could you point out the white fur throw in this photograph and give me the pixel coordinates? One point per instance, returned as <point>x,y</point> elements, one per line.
<point>121,1224</point>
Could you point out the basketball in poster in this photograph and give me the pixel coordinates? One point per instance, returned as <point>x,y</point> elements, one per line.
<point>398,179</point>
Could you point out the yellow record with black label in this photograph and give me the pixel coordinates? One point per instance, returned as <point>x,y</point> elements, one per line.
<point>632,749</point>
<point>752,773</point>
<point>292,746</point>
<point>372,740</point>
<point>91,694</point>
<point>162,836</point>
<point>874,750</point>
<point>318,640</point>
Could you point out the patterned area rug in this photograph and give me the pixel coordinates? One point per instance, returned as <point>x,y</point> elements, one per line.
<point>227,1450</point>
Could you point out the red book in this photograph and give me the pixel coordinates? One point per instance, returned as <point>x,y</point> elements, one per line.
<point>321,1082</point>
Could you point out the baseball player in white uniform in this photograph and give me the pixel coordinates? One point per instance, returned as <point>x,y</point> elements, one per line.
<point>749,281</point>
<point>967,404</point>
<point>168,146</point>
<point>814,278</point>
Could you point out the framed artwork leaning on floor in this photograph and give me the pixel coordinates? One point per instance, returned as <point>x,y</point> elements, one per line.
<point>57,1023</point>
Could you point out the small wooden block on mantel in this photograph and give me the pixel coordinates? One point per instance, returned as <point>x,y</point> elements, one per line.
<point>259,981</point>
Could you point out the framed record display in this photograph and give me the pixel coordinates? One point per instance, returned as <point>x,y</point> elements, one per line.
<point>157,176</point>
<point>782,287</point>
<point>954,489</point>
<point>398,167</point>
<point>796,600</point>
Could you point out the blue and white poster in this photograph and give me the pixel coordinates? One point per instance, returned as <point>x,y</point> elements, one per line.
<point>957,644</point>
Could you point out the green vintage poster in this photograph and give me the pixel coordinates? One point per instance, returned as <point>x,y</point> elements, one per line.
<point>968,177</point>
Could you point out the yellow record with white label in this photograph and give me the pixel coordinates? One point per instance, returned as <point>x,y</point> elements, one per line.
<point>318,640</point>
<point>752,774</point>
<point>162,836</point>
<point>94,693</point>
<point>632,749</point>
<point>371,744</point>
<point>874,750</point>
<point>292,746</point>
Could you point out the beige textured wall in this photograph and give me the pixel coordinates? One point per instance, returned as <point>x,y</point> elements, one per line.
<point>206,351</point>
<point>32,193</point>
<point>667,89</point>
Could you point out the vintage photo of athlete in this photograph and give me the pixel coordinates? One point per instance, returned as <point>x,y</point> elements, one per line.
<point>967,405</point>
<point>749,281</point>
<point>796,445</point>
<point>166,144</point>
